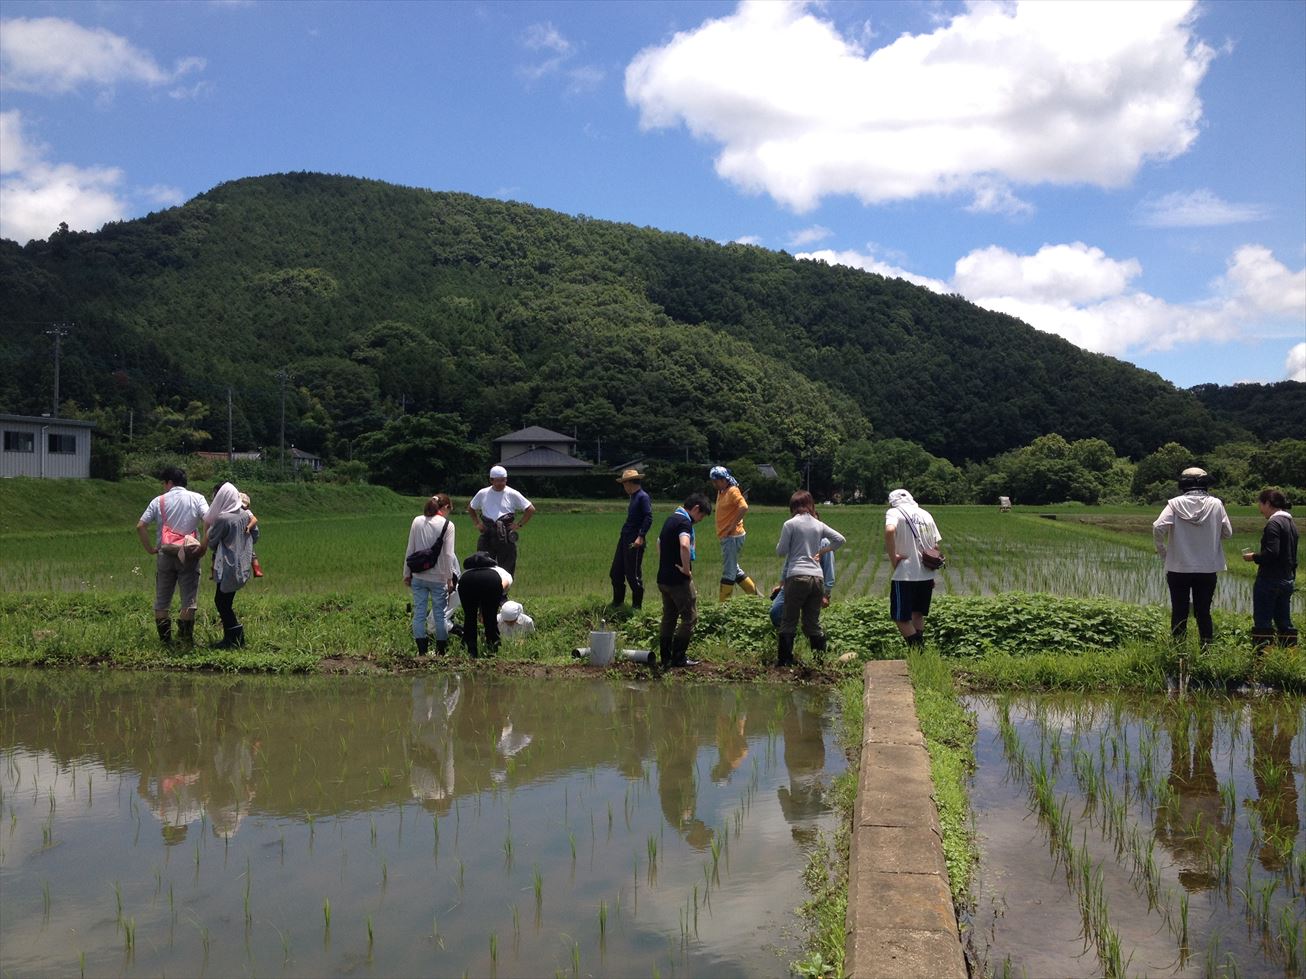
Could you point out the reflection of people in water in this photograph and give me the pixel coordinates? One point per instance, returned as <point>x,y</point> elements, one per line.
<point>431,773</point>
<point>1273,729</point>
<point>678,782</point>
<point>731,745</point>
<point>803,799</point>
<point>1195,785</point>
<point>511,742</point>
<point>229,787</point>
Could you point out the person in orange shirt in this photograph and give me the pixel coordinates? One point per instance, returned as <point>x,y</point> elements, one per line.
<point>731,508</point>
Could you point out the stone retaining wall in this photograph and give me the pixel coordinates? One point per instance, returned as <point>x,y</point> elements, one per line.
<point>901,922</point>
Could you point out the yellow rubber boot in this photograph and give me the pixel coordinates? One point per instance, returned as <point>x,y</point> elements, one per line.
<point>726,591</point>
<point>746,583</point>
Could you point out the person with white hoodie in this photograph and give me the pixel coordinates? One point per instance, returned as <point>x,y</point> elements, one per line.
<point>1187,535</point>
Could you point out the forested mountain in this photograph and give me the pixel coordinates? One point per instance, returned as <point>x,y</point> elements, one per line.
<point>379,300</point>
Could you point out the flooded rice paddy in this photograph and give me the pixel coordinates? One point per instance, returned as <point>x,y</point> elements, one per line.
<point>441,825</point>
<point>1140,836</point>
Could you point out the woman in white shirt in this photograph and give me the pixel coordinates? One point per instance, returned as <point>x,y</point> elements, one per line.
<point>431,530</point>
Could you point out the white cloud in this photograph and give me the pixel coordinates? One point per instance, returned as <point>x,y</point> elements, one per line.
<point>1295,365</point>
<point>558,52</point>
<point>747,240</point>
<point>163,195</point>
<point>809,236</point>
<point>1003,94</point>
<point>1196,209</point>
<point>51,56</point>
<point>38,195</point>
<point>1084,295</point>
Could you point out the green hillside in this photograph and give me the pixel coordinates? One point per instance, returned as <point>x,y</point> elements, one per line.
<point>381,300</point>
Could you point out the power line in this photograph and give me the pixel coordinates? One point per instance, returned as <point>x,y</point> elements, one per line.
<point>58,331</point>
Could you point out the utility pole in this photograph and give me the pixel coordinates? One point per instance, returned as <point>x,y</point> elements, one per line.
<point>282,375</point>
<point>58,331</point>
<point>231,450</point>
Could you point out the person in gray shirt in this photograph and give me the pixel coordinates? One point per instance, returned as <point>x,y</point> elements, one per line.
<point>804,580</point>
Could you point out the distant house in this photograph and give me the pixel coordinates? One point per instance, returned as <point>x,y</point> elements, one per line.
<point>539,452</point>
<point>51,448</point>
<point>299,459</point>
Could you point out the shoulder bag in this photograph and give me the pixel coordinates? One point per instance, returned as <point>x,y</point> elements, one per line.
<point>931,557</point>
<point>428,557</point>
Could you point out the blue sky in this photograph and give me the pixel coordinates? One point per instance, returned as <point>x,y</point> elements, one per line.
<point>1131,176</point>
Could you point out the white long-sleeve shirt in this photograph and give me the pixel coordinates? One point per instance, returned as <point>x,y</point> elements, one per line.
<point>1188,532</point>
<point>423,533</point>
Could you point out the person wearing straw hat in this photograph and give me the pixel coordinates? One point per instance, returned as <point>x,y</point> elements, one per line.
<point>628,561</point>
<point>494,511</point>
<point>1187,535</point>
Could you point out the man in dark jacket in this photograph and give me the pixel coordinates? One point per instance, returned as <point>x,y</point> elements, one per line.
<point>628,562</point>
<point>1276,572</point>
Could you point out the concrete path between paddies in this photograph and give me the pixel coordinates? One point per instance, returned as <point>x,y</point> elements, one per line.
<point>901,921</point>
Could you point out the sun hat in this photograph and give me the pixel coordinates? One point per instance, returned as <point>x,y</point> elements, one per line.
<point>498,472</point>
<point>510,611</point>
<point>630,476</point>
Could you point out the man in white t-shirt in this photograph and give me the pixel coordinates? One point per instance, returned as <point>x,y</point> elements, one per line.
<point>907,529</point>
<point>181,512</point>
<point>494,511</point>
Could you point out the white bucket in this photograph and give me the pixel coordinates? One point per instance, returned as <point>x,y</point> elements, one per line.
<point>603,647</point>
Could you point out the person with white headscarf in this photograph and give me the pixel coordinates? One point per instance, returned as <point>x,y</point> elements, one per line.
<point>907,530</point>
<point>232,534</point>
<point>1188,536</point>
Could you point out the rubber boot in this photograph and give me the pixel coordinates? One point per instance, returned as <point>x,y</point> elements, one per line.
<point>186,631</point>
<point>1261,639</point>
<point>678,657</point>
<point>818,645</point>
<point>441,647</point>
<point>636,598</point>
<point>618,595</point>
<point>664,651</point>
<point>238,637</point>
<point>727,589</point>
<point>164,627</point>
<point>423,645</point>
<point>1286,638</point>
<point>746,583</point>
<point>786,657</point>
<point>917,640</point>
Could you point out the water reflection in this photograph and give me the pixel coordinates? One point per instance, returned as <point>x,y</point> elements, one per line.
<point>1162,833</point>
<point>221,816</point>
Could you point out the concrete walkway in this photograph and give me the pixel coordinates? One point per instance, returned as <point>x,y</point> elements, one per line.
<point>901,923</point>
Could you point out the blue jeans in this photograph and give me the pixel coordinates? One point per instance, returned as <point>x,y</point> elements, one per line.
<point>432,595</point>
<point>730,548</point>
<point>1272,603</point>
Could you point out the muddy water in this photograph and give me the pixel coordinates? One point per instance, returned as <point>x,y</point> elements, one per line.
<point>1147,805</point>
<point>200,825</point>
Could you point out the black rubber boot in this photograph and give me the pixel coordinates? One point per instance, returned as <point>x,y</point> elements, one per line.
<point>636,598</point>
<point>678,657</point>
<point>786,657</point>
<point>233,638</point>
<point>441,646</point>
<point>1261,639</point>
<point>1286,638</point>
<point>186,630</point>
<point>664,652</point>
<point>423,645</point>
<point>618,595</point>
<point>917,640</point>
<point>818,645</point>
<point>164,627</point>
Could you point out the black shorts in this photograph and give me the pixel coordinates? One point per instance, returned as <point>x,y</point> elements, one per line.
<point>908,598</point>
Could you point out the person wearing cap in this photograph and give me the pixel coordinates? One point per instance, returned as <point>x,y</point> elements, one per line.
<point>514,623</point>
<point>908,528</point>
<point>494,511</point>
<point>628,561</point>
<point>1187,535</point>
<point>731,507</point>
<point>676,580</point>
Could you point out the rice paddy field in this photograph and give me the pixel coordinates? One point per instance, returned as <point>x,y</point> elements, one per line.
<point>566,550</point>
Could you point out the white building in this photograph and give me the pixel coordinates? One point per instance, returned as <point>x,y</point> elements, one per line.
<point>45,447</point>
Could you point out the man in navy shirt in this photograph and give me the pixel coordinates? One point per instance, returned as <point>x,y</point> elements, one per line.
<point>676,579</point>
<point>628,562</point>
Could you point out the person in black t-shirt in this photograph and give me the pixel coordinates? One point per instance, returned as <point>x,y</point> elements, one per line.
<point>676,580</point>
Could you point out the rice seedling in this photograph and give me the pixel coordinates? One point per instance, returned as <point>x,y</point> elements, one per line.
<point>326,914</point>
<point>494,948</point>
<point>603,920</point>
<point>537,881</point>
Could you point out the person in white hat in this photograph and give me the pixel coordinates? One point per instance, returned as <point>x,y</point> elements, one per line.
<point>514,623</point>
<point>628,561</point>
<point>1187,535</point>
<point>494,511</point>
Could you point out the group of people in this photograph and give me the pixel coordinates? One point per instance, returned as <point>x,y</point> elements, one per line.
<point>188,526</point>
<point>1188,536</point>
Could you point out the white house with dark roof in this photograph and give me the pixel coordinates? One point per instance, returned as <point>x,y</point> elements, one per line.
<point>539,451</point>
<point>44,447</point>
